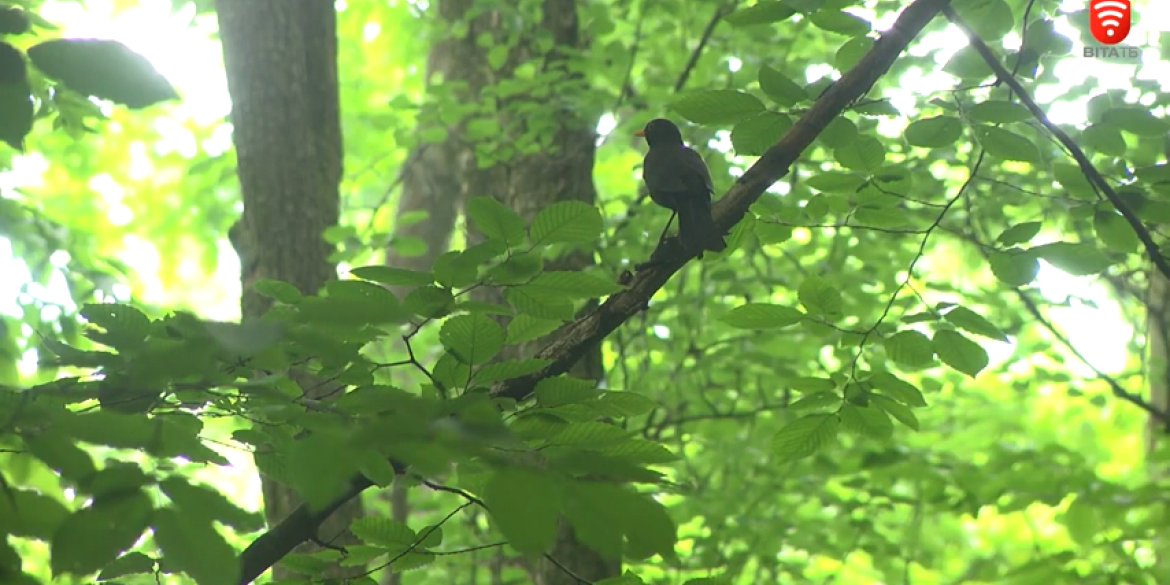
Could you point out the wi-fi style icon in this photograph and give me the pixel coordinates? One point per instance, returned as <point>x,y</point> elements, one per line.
<point>1109,20</point>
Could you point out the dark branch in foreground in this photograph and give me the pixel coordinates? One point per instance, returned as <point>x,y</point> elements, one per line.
<point>575,338</point>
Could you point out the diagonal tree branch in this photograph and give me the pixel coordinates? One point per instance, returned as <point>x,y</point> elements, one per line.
<point>575,338</point>
<point>1078,155</point>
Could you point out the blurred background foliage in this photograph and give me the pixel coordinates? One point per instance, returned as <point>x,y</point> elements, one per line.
<point>1035,471</point>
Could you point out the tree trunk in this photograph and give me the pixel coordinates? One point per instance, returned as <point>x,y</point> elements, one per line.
<point>280,59</point>
<point>440,177</point>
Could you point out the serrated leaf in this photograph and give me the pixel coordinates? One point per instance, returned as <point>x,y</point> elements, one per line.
<point>812,384</point>
<point>562,390</point>
<point>496,220</point>
<point>536,304</point>
<point>526,328</point>
<point>762,316</point>
<point>525,506</point>
<point>805,436</point>
<point>1137,121</point>
<point>836,182</point>
<point>718,106</point>
<point>960,353</point>
<point>817,401</point>
<point>430,301</point>
<point>518,269</point>
<point>125,326</point>
<point>573,222</point>
<point>625,403</point>
<point>1077,259</point>
<point>763,12</point>
<point>910,349</point>
<point>782,90</point>
<point>840,22</point>
<point>473,339</point>
<point>591,434</point>
<point>192,545</point>
<point>1115,232</point>
<point>393,276</point>
<point>867,421</point>
<point>819,297</point>
<point>851,52</point>
<point>1103,138</point>
<point>935,132</point>
<point>92,537</point>
<point>279,290</point>
<point>1014,267</point>
<point>969,320</point>
<point>16,100</point>
<point>134,563</point>
<point>508,369</point>
<point>895,409</point>
<point>756,134</point>
<point>998,112</point>
<point>1007,145</point>
<point>1019,233</point>
<point>210,504</point>
<point>898,389</point>
<point>102,68</point>
<point>865,154</point>
<point>383,532</point>
<point>569,285</point>
<point>30,514</point>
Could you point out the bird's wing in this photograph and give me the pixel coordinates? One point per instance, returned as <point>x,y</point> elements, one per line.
<point>698,167</point>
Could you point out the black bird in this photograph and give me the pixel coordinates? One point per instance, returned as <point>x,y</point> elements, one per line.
<point>678,180</point>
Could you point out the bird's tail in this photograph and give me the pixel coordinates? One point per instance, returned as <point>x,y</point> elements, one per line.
<point>696,227</point>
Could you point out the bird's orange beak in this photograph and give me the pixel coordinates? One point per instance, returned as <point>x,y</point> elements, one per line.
<point>641,132</point>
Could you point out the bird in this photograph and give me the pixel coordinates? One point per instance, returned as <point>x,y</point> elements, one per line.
<point>678,180</point>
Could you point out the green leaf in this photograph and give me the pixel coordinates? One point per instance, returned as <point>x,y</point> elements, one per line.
<point>102,68</point>
<point>1006,144</point>
<point>1014,267</point>
<point>318,466</point>
<point>806,435</point>
<point>763,12</point>
<point>836,182</point>
<point>1103,138</point>
<point>960,353</point>
<point>851,52</point>
<point>1077,259</point>
<point>969,320</point>
<point>1137,121</point>
<point>508,369</point>
<point>430,301</point>
<point>625,404</point>
<point>1019,233</point>
<point>591,434</point>
<point>562,390</point>
<point>125,326</point>
<point>867,421</point>
<point>990,19</point>
<point>126,431</point>
<point>1072,178</point>
<point>819,297</point>
<point>762,316</point>
<point>967,64</point>
<point>817,401</point>
<point>383,532</point>
<point>898,389</point>
<point>812,385</point>
<point>573,222</point>
<point>134,563</point>
<point>935,132</point>
<point>93,537</point>
<point>245,339</point>
<point>16,100</point>
<point>895,409</point>
<point>393,276</point>
<point>526,328</point>
<point>755,135</point>
<point>782,90</point>
<point>210,504</point>
<point>496,221</point>
<point>535,303</point>
<point>473,339</point>
<point>910,349</point>
<point>866,154</point>
<point>718,107</point>
<point>1115,232</point>
<point>191,544</point>
<point>525,506</point>
<point>1083,521</point>
<point>840,22</point>
<point>518,269</point>
<point>569,285</point>
<point>648,527</point>
<point>279,290</point>
<point>30,514</point>
<point>998,112</point>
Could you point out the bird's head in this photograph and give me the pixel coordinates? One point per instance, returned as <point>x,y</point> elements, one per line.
<point>660,132</point>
